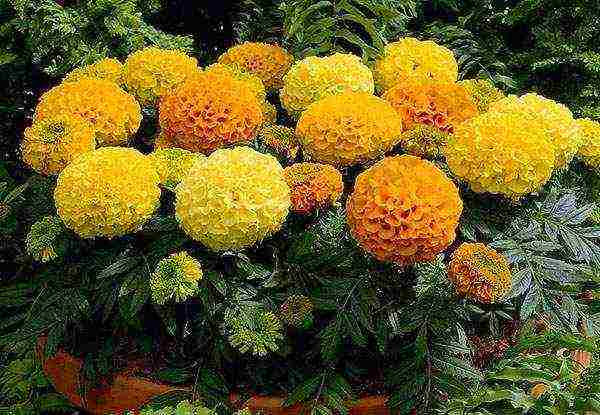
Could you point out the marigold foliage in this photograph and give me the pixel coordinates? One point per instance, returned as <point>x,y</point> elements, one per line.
<point>251,80</point>
<point>280,140</point>
<point>233,199</point>
<point>107,192</point>
<point>211,111</point>
<point>114,114</point>
<point>439,104</point>
<point>151,73</point>
<point>555,118</point>
<point>348,128</point>
<point>258,333</point>
<point>425,141</point>
<point>297,311</point>
<point>589,152</point>
<point>51,143</point>
<point>412,59</point>
<point>313,186</point>
<point>173,164</point>
<point>482,92</point>
<point>41,241</point>
<point>479,273</point>
<point>108,69</point>
<point>175,278</point>
<point>314,78</point>
<point>404,210</point>
<point>269,62</point>
<point>501,153</point>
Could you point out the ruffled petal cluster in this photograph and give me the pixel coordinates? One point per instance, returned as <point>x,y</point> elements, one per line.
<point>233,199</point>
<point>313,186</point>
<point>297,311</point>
<point>211,111</point>
<point>114,114</point>
<point>252,81</point>
<point>555,118</point>
<point>152,73</point>
<point>479,273</point>
<point>173,164</point>
<point>108,69</point>
<point>425,141</point>
<point>269,62</point>
<point>404,210</point>
<point>589,152</point>
<point>414,59</point>
<point>482,92</point>
<point>50,144</point>
<point>314,78</point>
<point>279,140</point>
<point>175,278</point>
<point>508,153</point>
<point>439,104</point>
<point>348,128</point>
<point>107,192</point>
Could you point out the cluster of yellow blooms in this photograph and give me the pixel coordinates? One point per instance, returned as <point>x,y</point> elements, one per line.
<point>175,278</point>
<point>107,192</point>
<point>410,58</point>
<point>479,273</point>
<point>151,73</point>
<point>314,78</point>
<point>589,152</point>
<point>482,92</point>
<point>233,199</point>
<point>269,62</point>
<point>108,69</point>
<point>313,186</point>
<point>173,164</point>
<point>404,209</point>
<point>348,128</point>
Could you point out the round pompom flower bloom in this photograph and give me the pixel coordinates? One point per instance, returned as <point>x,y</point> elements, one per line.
<point>233,199</point>
<point>589,152</point>
<point>175,278</point>
<point>404,210</point>
<point>297,311</point>
<point>504,153</point>
<point>425,141</point>
<point>313,186</point>
<point>50,144</point>
<point>252,81</point>
<point>151,73</point>
<point>210,111</point>
<point>555,118</point>
<point>348,128</point>
<point>439,104</point>
<point>258,331</point>
<point>479,273</point>
<point>114,114</point>
<point>414,59</point>
<point>108,69</point>
<point>314,78</point>
<point>269,62</point>
<point>173,164</point>
<point>107,192</point>
<point>482,92</point>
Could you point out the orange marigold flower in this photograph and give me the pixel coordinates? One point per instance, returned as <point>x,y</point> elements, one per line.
<point>211,111</point>
<point>268,62</point>
<point>435,103</point>
<point>313,186</point>
<point>404,210</point>
<point>479,273</point>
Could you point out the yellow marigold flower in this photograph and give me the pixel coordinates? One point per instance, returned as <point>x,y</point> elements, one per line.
<point>268,62</point>
<point>404,210</point>
<point>42,240</point>
<point>251,80</point>
<point>589,152</point>
<point>348,128</point>
<point>313,186</point>
<point>152,73</point>
<point>51,143</point>
<point>425,141</point>
<point>173,164</point>
<point>280,140</point>
<point>555,118</point>
<point>505,153</point>
<point>410,58</point>
<point>314,78</point>
<point>108,69</point>
<point>175,278</point>
<point>107,192</point>
<point>482,92</point>
<point>479,273</point>
<point>297,311</point>
<point>439,104</point>
<point>211,111</point>
<point>233,199</point>
<point>114,114</point>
